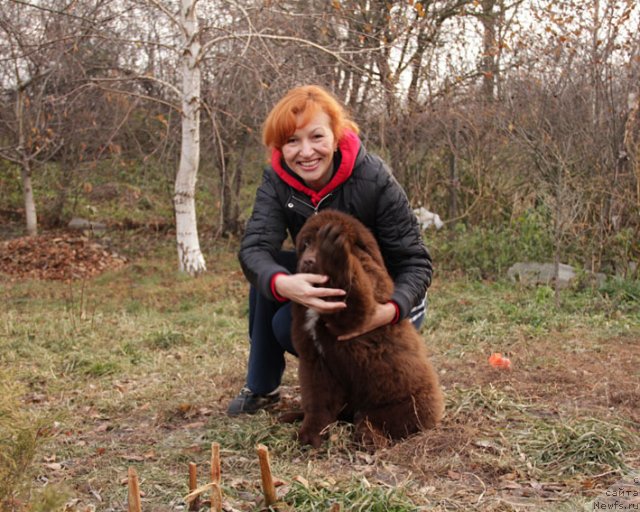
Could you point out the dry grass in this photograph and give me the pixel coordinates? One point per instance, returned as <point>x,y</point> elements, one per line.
<point>135,368</point>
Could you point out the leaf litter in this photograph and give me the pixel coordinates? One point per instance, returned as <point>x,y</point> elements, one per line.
<point>60,257</point>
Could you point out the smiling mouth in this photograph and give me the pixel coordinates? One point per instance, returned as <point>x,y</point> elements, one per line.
<point>309,165</point>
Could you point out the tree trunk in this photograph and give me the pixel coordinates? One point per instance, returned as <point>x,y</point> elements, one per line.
<point>29,202</point>
<point>557,233</point>
<point>190,258</point>
<point>488,66</point>
<point>454,184</point>
<point>25,170</point>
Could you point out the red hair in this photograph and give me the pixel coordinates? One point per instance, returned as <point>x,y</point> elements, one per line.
<point>297,107</point>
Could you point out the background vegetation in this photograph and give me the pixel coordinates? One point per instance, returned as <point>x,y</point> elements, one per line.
<point>513,119</point>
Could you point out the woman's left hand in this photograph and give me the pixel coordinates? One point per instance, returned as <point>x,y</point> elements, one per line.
<point>383,315</point>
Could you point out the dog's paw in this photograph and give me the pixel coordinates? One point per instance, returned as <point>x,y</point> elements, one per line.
<point>333,246</point>
<point>368,437</point>
<point>305,436</point>
<point>291,417</point>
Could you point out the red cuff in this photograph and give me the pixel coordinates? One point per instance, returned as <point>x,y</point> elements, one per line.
<point>396,318</point>
<point>278,297</point>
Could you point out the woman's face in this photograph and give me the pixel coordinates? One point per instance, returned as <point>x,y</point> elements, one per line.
<point>309,151</point>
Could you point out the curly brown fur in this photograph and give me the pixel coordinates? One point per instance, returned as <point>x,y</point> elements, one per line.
<point>383,380</point>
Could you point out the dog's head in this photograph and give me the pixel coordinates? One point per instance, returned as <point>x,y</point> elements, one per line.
<point>311,234</point>
<point>355,238</point>
<point>340,247</point>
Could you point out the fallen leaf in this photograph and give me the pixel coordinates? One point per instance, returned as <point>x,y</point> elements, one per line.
<point>302,480</point>
<point>132,458</point>
<point>194,425</point>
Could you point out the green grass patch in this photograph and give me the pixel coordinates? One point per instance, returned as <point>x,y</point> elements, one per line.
<point>584,446</point>
<point>358,495</point>
<point>487,401</point>
<point>166,339</point>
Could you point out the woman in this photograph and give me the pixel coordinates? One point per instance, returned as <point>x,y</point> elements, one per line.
<point>318,162</point>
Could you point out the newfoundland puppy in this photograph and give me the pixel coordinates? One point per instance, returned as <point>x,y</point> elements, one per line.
<point>382,381</point>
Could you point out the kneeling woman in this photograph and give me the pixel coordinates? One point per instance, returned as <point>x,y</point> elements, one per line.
<point>318,162</point>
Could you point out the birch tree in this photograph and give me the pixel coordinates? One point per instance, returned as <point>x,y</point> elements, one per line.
<point>190,256</point>
<point>189,48</point>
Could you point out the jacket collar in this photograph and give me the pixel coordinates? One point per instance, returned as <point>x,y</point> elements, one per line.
<point>349,145</point>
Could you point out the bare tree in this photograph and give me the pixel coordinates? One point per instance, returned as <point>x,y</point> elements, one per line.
<point>53,111</point>
<point>27,137</point>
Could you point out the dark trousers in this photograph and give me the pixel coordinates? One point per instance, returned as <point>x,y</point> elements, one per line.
<point>270,334</point>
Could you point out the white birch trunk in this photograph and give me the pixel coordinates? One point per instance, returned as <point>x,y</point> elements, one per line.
<point>29,202</point>
<point>190,257</point>
<point>25,171</point>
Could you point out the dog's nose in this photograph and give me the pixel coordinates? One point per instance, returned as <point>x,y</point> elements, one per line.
<point>308,264</point>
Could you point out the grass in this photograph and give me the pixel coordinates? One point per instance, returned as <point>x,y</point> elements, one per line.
<point>583,446</point>
<point>135,368</point>
<point>357,495</point>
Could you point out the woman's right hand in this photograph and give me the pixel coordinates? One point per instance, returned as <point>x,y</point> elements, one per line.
<point>305,289</point>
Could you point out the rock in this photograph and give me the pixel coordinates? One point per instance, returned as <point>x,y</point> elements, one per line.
<point>531,274</point>
<point>540,273</point>
<point>81,224</point>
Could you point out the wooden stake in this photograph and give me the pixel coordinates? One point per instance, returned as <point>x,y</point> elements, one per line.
<point>215,463</point>
<point>216,491</point>
<point>135,505</point>
<point>193,484</point>
<point>268,488</point>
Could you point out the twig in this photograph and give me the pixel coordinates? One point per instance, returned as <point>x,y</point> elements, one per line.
<point>134,502</point>
<point>189,498</point>
<point>268,487</point>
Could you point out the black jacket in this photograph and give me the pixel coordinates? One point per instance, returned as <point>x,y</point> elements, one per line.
<point>371,194</point>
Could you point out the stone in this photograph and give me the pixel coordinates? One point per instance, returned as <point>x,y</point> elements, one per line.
<point>80,224</point>
<point>531,273</point>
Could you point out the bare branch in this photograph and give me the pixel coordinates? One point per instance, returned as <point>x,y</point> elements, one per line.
<point>163,8</point>
<point>147,78</point>
<point>54,11</point>
<point>173,106</point>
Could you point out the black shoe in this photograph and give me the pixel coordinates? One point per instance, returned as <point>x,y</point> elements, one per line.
<point>248,402</point>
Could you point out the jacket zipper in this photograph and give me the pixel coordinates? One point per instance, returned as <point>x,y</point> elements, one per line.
<point>314,208</point>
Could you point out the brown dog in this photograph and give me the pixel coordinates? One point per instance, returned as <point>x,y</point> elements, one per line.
<point>383,380</point>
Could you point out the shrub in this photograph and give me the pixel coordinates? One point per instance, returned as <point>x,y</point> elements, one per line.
<point>488,251</point>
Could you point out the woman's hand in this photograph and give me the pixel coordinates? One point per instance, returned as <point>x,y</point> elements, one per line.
<point>301,288</point>
<point>383,315</point>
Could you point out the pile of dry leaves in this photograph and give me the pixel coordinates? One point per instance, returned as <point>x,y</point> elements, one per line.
<point>58,256</point>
